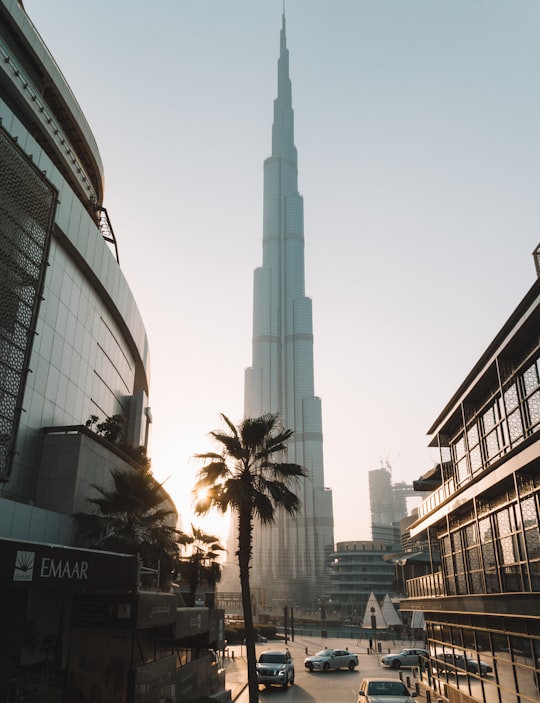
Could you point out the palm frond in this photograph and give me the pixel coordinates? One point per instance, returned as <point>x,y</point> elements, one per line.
<point>283,497</point>
<point>286,472</point>
<point>263,508</point>
<point>230,425</point>
<point>132,517</point>
<point>232,445</point>
<point>212,497</point>
<point>256,432</point>
<point>212,472</point>
<point>209,455</point>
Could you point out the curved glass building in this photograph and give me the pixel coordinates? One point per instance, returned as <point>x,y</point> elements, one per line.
<point>79,624</point>
<point>72,342</point>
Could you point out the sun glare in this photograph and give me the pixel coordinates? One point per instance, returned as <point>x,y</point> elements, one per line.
<point>201,495</point>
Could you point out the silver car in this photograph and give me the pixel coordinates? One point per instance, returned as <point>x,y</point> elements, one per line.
<point>275,668</point>
<point>407,657</point>
<point>328,659</point>
<point>384,691</point>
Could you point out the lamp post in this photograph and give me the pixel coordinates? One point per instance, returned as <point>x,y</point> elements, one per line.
<point>374,630</point>
<point>324,631</point>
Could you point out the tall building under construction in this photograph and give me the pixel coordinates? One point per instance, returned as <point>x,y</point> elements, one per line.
<point>388,504</point>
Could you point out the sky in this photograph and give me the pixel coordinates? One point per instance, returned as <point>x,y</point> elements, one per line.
<point>417,124</point>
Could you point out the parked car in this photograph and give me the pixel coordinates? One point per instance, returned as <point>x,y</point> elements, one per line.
<point>275,668</point>
<point>407,657</point>
<point>478,667</point>
<point>451,662</point>
<point>328,659</point>
<point>384,691</point>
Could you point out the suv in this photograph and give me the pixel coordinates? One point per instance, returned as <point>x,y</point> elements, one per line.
<point>275,667</point>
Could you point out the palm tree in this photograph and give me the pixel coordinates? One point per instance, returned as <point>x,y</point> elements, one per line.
<point>201,564</point>
<point>132,517</point>
<point>247,478</point>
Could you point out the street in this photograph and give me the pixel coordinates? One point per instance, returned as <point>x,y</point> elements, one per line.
<point>324,687</point>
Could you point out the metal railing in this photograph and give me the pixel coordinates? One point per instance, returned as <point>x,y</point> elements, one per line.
<point>426,586</point>
<point>436,498</point>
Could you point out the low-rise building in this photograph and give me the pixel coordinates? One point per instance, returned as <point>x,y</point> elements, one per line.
<point>481,603</point>
<point>357,569</point>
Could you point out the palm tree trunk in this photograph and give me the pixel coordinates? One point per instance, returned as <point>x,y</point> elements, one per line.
<point>245,528</point>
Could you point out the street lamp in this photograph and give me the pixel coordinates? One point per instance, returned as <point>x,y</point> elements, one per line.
<point>373,627</point>
<point>324,631</point>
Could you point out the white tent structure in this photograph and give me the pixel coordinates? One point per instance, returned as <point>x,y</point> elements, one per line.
<point>417,622</point>
<point>380,622</point>
<point>389,613</point>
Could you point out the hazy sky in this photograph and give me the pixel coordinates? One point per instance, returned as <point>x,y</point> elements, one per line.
<point>417,124</point>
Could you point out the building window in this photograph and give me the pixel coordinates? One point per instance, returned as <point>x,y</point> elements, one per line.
<point>515,427</point>
<point>530,378</point>
<point>475,453</point>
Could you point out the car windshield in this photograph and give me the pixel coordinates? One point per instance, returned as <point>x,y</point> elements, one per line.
<point>272,659</point>
<point>325,653</point>
<point>387,688</point>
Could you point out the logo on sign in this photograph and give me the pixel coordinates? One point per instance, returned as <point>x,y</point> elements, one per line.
<point>124,610</point>
<point>24,566</point>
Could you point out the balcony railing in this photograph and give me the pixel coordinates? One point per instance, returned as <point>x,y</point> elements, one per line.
<point>436,498</point>
<point>426,586</point>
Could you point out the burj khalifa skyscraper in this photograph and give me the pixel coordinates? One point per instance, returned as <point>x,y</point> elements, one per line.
<point>290,558</point>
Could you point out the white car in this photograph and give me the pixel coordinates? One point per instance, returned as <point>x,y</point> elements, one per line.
<point>328,659</point>
<point>384,691</point>
<point>407,657</point>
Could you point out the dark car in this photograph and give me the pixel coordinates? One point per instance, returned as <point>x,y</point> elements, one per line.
<point>454,662</point>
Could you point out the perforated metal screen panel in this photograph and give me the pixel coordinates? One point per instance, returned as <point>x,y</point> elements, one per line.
<point>27,205</point>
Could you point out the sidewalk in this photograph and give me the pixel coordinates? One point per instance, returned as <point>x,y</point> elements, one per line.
<point>236,669</point>
<point>236,665</point>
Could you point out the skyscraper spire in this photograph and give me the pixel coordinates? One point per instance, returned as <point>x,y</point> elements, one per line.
<point>283,126</point>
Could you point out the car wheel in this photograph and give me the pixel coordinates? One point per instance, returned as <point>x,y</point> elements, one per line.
<point>326,666</point>
<point>352,664</point>
<point>286,682</point>
<point>292,680</point>
<point>396,664</point>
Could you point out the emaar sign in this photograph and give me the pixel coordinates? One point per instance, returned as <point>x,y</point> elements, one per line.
<point>34,563</point>
<point>48,567</point>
